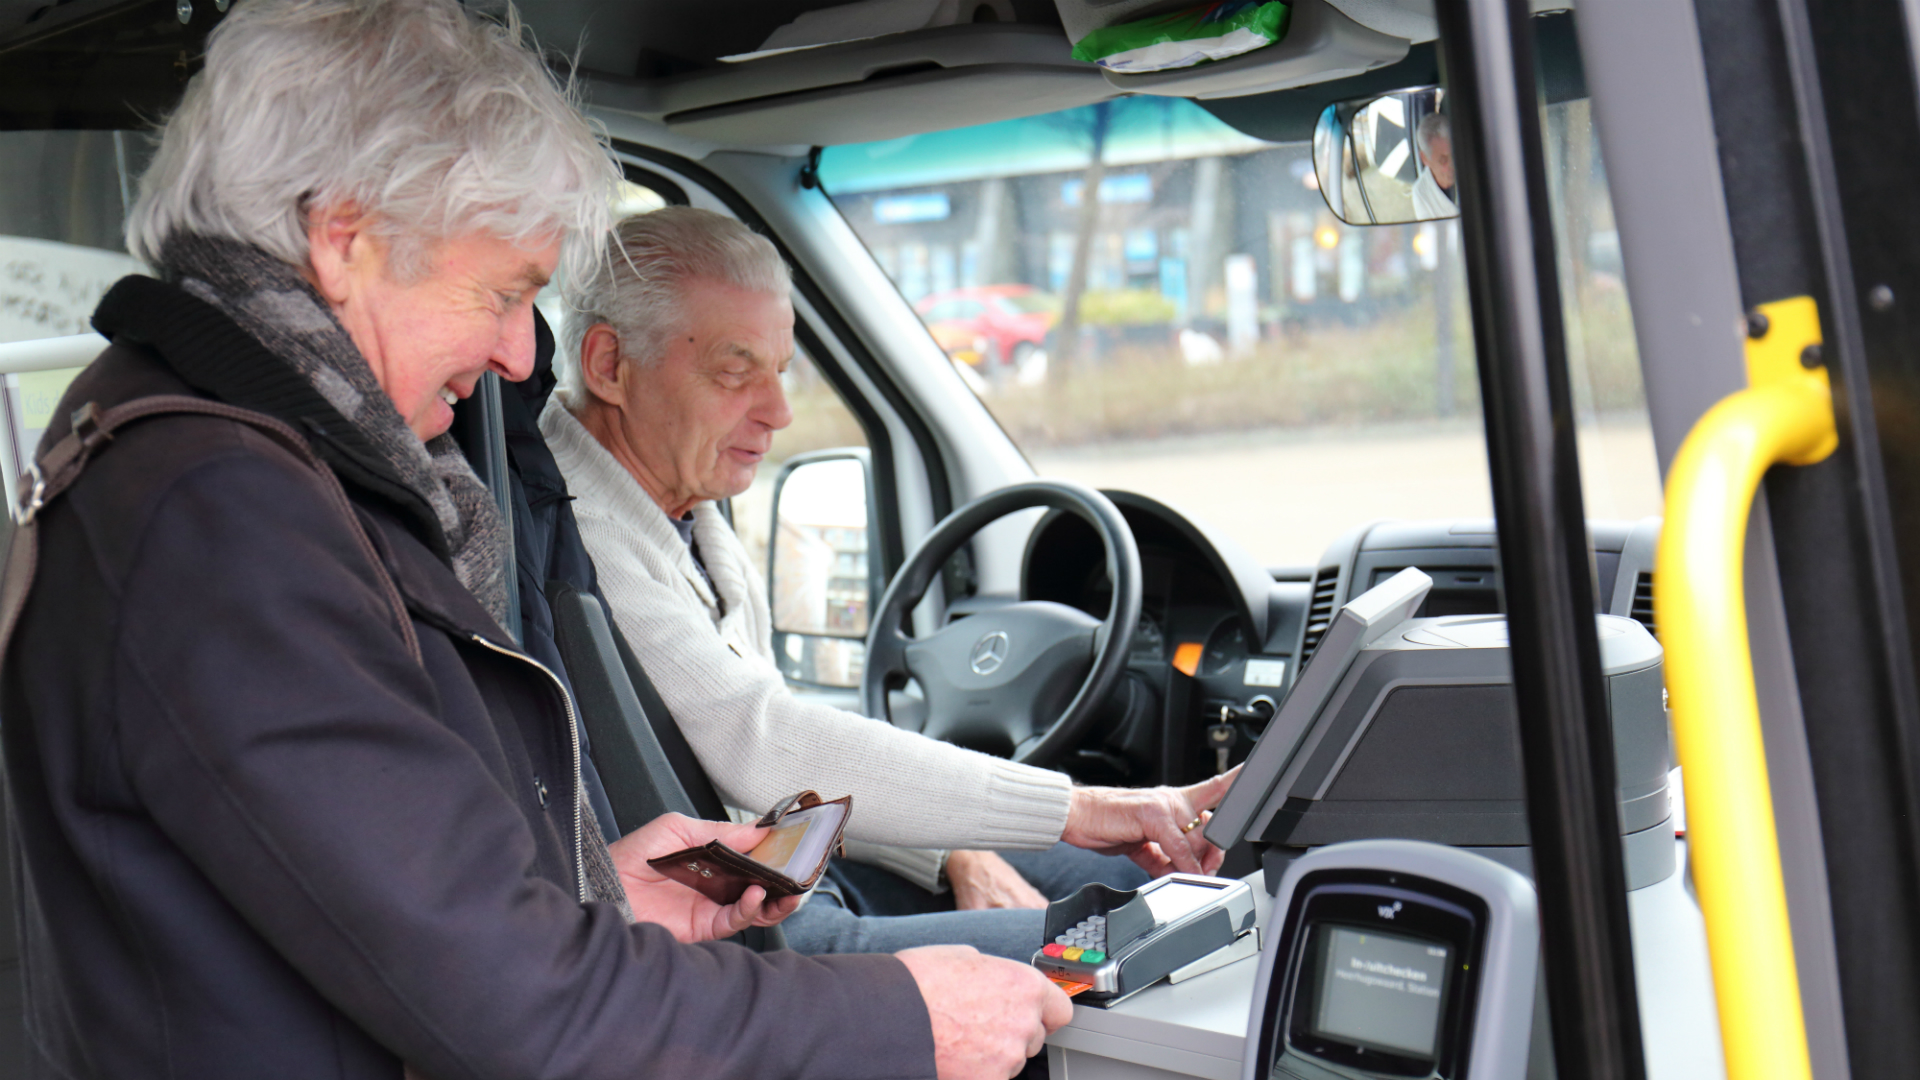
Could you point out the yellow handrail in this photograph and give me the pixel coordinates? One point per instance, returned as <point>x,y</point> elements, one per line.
<point>1785,416</point>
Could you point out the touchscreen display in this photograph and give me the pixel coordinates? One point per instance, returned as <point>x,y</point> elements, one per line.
<point>1178,898</point>
<point>1380,990</point>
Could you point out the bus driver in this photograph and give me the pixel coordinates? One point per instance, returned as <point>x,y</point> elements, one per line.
<point>670,379</point>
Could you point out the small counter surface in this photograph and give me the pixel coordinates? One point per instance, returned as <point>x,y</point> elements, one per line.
<point>1199,1027</point>
<point>1193,1028</point>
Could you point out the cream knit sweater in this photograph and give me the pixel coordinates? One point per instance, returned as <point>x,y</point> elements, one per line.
<point>758,742</point>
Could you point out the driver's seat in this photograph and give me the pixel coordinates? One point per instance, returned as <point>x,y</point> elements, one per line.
<point>644,763</point>
<point>641,761</point>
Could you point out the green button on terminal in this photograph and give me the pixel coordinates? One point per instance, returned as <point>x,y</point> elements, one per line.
<point>1092,956</point>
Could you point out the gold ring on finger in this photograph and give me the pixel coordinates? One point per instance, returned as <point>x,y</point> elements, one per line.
<point>1190,826</point>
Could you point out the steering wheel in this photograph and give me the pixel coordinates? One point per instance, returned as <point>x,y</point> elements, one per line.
<point>1029,675</point>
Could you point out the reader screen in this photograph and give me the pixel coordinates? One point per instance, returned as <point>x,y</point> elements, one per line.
<point>1177,899</point>
<point>1380,990</point>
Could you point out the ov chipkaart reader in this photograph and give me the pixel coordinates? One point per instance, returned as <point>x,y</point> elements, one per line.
<point>1395,958</point>
<point>1409,727</point>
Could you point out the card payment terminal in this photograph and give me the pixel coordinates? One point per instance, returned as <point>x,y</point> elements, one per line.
<point>1117,942</point>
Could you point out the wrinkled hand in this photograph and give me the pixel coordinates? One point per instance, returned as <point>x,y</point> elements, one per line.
<point>1144,824</point>
<point>656,898</point>
<point>982,880</point>
<point>989,1015</point>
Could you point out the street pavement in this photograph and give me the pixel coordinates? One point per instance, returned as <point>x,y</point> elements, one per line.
<point>1285,496</point>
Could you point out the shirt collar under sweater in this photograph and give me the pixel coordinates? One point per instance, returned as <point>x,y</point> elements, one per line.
<point>684,526</point>
<point>601,485</point>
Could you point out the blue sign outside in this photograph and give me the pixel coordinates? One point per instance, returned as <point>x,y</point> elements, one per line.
<point>902,209</point>
<point>1130,188</point>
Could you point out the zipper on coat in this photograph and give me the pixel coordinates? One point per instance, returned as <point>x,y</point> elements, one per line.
<point>573,733</point>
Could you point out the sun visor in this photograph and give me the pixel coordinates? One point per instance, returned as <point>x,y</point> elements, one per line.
<point>944,77</point>
<point>912,103</point>
<point>868,90</point>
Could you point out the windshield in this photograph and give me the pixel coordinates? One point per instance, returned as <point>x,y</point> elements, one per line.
<point>1203,330</point>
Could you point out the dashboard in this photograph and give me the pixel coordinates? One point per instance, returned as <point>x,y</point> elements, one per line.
<point>1221,638</point>
<point>1217,631</point>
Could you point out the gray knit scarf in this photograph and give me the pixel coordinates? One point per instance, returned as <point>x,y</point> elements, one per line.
<point>279,309</point>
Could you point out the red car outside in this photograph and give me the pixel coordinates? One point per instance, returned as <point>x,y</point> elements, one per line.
<point>989,326</point>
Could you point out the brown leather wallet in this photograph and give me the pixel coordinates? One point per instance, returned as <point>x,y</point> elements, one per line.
<point>722,874</point>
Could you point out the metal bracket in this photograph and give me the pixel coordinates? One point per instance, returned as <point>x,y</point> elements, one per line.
<point>1783,351</point>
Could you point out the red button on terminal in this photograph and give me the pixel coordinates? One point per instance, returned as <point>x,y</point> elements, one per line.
<point>1054,949</point>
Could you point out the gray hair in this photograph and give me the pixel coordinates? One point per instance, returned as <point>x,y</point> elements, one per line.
<point>1433,126</point>
<point>639,287</point>
<point>435,123</point>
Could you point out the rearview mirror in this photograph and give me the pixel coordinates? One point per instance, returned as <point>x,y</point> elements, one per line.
<point>820,580</point>
<point>1387,160</point>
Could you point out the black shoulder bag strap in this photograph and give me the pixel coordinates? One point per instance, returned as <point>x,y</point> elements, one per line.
<point>93,428</point>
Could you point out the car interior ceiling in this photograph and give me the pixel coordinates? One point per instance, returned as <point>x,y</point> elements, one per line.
<point>105,64</point>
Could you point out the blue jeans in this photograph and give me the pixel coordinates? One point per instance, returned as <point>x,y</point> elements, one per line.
<point>863,909</point>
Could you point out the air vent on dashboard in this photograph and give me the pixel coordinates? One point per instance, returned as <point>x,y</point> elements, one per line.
<point>1642,610</point>
<point>1320,611</point>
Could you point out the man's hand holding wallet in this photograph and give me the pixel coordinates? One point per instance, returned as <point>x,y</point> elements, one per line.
<point>803,831</point>
<point>690,915</point>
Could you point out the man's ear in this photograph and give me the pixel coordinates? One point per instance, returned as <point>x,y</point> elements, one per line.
<point>340,244</point>
<point>602,372</point>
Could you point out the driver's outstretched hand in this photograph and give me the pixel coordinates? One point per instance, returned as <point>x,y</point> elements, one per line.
<point>1159,828</point>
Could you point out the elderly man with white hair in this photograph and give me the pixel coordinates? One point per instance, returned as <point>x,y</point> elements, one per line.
<point>672,398</point>
<point>287,802</point>
<point>1433,190</point>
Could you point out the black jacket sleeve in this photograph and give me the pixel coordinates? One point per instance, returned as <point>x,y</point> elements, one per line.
<point>272,722</point>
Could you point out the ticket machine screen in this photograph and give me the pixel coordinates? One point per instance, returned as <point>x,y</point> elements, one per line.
<point>1378,967</point>
<point>1380,990</point>
<point>1395,959</point>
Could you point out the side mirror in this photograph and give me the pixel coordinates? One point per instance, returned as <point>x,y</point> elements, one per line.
<point>1387,160</point>
<point>820,581</point>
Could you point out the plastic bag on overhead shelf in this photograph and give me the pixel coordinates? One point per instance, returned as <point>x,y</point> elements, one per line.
<point>1187,37</point>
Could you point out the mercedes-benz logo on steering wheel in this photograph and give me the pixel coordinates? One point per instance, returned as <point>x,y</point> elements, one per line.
<point>989,653</point>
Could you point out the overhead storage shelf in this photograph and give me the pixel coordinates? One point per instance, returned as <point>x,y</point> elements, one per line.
<point>942,77</point>
<point>956,76</point>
